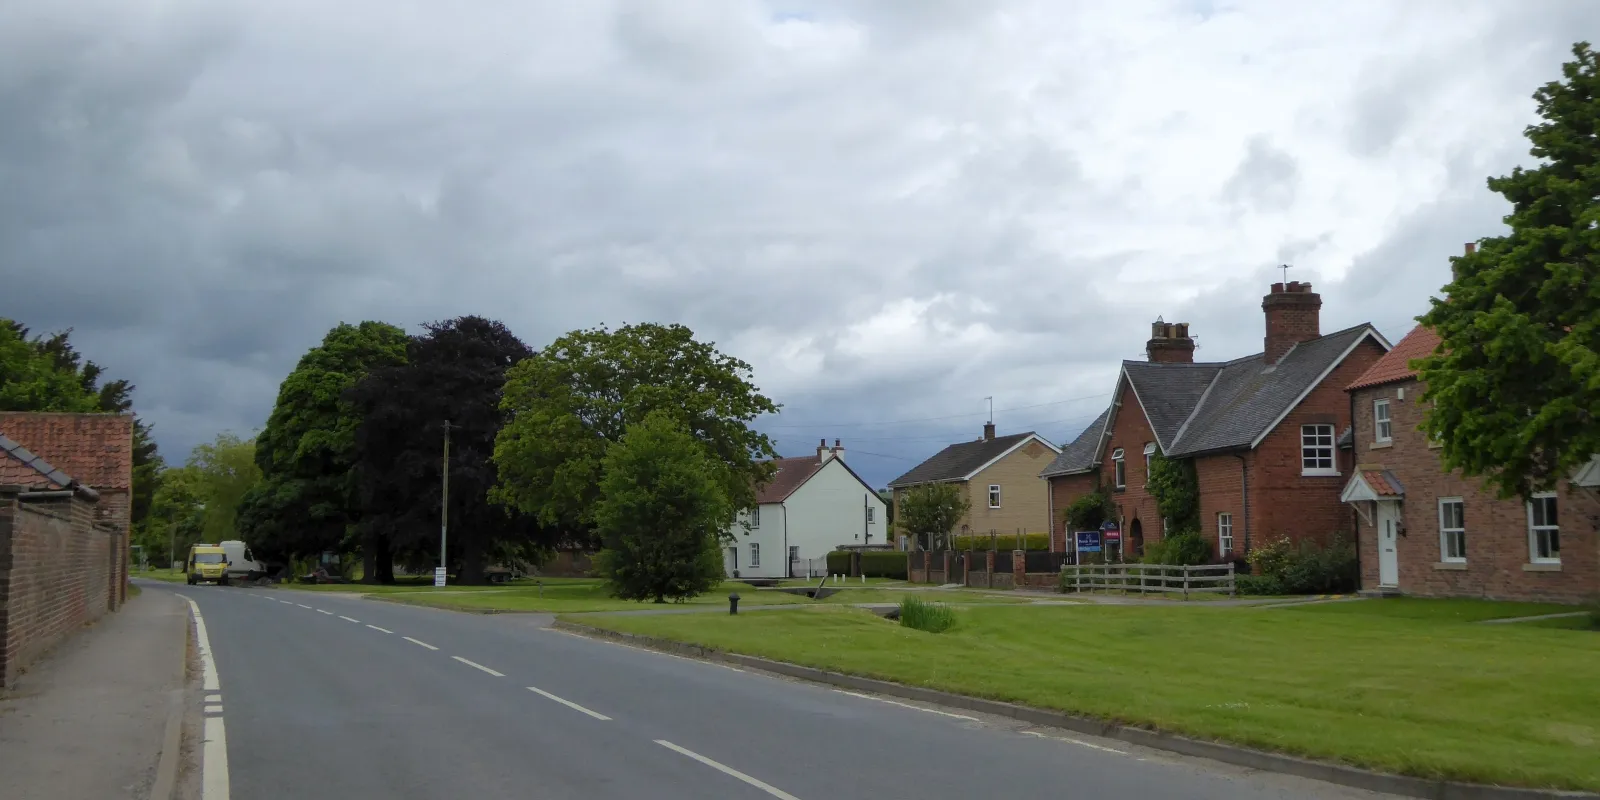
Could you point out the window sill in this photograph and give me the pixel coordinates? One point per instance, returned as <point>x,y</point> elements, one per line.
<point>1542,566</point>
<point>1119,489</point>
<point>1381,445</point>
<point>1435,445</point>
<point>1451,565</point>
<point>1320,473</point>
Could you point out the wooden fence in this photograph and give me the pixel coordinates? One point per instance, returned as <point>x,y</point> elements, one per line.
<point>1148,578</point>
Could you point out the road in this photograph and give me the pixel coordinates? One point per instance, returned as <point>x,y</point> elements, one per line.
<point>333,696</point>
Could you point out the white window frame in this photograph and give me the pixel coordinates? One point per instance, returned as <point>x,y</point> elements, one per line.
<point>1553,526</point>
<point>1225,533</point>
<point>755,517</point>
<point>1149,454</point>
<point>1119,471</point>
<point>1316,433</point>
<point>1382,424</point>
<point>1446,532</point>
<point>755,554</point>
<point>994,495</point>
<point>794,553</point>
<point>870,511</point>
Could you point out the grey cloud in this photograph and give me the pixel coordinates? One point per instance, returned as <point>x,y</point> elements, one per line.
<point>1265,178</point>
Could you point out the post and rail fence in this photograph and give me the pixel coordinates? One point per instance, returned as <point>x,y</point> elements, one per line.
<point>1164,578</point>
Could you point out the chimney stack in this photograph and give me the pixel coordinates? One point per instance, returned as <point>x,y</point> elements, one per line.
<point>1170,343</point>
<point>838,450</point>
<point>1293,316</point>
<point>988,431</point>
<point>822,450</point>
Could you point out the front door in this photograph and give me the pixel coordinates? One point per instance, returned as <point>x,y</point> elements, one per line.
<point>732,561</point>
<point>1388,535</point>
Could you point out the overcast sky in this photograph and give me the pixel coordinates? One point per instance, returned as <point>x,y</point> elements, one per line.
<point>892,210</point>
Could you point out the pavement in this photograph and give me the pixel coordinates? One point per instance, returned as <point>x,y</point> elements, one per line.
<point>88,720</point>
<point>333,696</point>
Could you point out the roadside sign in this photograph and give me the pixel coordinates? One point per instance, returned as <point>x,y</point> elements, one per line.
<point>1113,534</point>
<point>438,576</point>
<point>1088,541</point>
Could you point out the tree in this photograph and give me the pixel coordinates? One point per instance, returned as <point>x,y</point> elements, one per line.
<point>177,515</point>
<point>226,470</point>
<point>455,371</point>
<point>933,509</point>
<point>1089,511</point>
<point>306,500</point>
<point>1176,489</point>
<point>573,400</point>
<point>1515,383</point>
<point>661,512</point>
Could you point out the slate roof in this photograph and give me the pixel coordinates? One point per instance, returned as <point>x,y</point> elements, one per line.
<point>97,449</point>
<point>19,467</point>
<point>1396,364</point>
<point>1199,408</point>
<point>792,472</point>
<point>1080,455</point>
<point>959,460</point>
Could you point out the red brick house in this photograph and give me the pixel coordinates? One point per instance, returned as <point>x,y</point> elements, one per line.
<point>1263,431</point>
<point>1424,531</point>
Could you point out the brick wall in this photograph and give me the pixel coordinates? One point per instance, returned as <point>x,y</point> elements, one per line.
<point>1064,490</point>
<point>1131,432</point>
<point>1221,482</point>
<point>1497,541</point>
<point>58,571</point>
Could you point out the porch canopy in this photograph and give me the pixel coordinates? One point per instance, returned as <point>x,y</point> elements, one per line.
<point>1370,486</point>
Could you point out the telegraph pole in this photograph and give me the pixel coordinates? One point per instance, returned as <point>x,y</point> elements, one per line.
<point>444,510</point>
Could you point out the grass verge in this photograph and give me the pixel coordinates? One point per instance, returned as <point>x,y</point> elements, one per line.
<point>167,575</point>
<point>1423,692</point>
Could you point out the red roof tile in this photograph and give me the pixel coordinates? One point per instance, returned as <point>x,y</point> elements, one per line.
<point>791,473</point>
<point>95,449</point>
<point>13,472</point>
<point>1381,485</point>
<point>1396,364</point>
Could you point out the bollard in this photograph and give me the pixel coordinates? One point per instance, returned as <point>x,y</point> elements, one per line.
<point>733,603</point>
<point>540,584</point>
<point>863,579</point>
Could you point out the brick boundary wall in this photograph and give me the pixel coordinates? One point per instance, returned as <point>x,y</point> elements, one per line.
<point>58,572</point>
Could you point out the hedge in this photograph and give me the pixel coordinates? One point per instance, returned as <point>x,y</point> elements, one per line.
<point>884,565</point>
<point>839,562</point>
<point>1030,541</point>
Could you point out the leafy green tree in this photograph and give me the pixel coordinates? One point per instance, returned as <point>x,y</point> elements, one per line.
<point>661,512</point>
<point>573,400</point>
<point>1089,511</point>
<point>177,515</point>
<point>934,510</point>
<point>1515,383</point>
<point>306,501</point>
<point>454,371</point>
<point>227,471</point>
<point>1176,489</point>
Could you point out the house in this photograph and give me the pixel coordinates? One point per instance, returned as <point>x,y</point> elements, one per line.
<point>1263,432</point>
<point>63,563</point>
<point>998,475</point>
<point>96,449</point>
<point>1424,531</point>
<point>811,505</point>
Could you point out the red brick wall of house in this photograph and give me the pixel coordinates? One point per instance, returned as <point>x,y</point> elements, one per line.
<point>1064,490</point>
<point>1131,432</point>
<point>1221,481</point>
<point>56,574</point>
<point>1496,530</point>
<point>1283,502</point>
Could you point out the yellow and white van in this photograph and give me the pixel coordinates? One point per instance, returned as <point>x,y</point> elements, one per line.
<point>208,563</point>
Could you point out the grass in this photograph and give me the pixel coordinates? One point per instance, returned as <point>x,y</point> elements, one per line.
<point>1434,610</point>
<point>157,574</point>
<point>917,614</point>
<point>134,590</point>
<point>581,595</point>
<point>1412,688</point>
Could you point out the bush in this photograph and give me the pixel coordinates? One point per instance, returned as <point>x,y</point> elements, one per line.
<point>924,616</point>
<point>884,565</point>
<point>839,562</point>
<point>1185,548</point>
<point>1257,584</point>
<point>1307,569</point>
<point>1088,511</point>
<point>1007,542</point>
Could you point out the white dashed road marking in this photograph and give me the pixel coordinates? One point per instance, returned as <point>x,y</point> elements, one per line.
<point>725,769</point>
<point>214,751</point>
<point>380,630</point>
<point>286,602</point>
<point>414,641</point>
<point>1090,745</point>
<point>568,703</point>
<point>347,619</point>
<point>908,705</point>
<point>476,665</point>
<point>303,605</point>
<point>320,611</point>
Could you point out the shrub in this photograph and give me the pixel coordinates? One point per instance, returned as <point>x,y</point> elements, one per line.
<point>839,562</point>
<point>924,616</point>
<point>1307,569</point>
<point>1007,542</point>
<point>1257,584</point>
<point>1184,548</point>
<point>884,565</point>
<point>1088,511</point>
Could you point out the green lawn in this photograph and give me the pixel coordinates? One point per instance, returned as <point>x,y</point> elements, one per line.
<point>156,574</point>
<point>1418,692</point>
<point>1441,610</point>
<point>953,597</point>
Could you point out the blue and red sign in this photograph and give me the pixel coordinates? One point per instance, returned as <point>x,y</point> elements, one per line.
<point>1111,532</point>
<point>1088,541</point>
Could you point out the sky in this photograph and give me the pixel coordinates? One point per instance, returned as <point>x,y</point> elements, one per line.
<point>892,211</point>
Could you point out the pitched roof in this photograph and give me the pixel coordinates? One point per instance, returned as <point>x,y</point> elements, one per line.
<point>791,473</point>
<point>19,467</point>
<point>1198,408</point>
<point>97,449</point>
<point>1396,364</point>
<point>959,460</point>
<point>1079,456</point>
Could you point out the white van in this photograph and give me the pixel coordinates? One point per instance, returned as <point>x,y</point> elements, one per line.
<point>241,562</point>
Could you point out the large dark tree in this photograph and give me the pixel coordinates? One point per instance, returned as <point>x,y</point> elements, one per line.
<point>306,500</point>
<point>1515,386</point>
<point>573,400</point>
<point>454,371</point>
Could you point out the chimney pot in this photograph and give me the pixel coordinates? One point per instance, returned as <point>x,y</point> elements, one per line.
<point>1277,288</point>
<point>1170,343</point>
<point>1292,316</point>
<point>1472,247</point>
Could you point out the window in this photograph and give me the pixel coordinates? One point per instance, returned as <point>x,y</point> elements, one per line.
<point>794,553</point>
<point>1452,529</point>
<point>755,517</point>
<point>1544,533</point>
<point>1316,450</point>
<point>1225,534</point>
<point>755,554</point>
<point>1380,421</point>
<point>1119,472</point>
<point>870,509</point>
<point>1149,453</point>
<point>994,495</point>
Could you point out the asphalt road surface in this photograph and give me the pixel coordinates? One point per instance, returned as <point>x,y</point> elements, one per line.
<point>333,696</point>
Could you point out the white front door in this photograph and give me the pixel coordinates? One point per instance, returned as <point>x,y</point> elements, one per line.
<point>1388,535</point>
